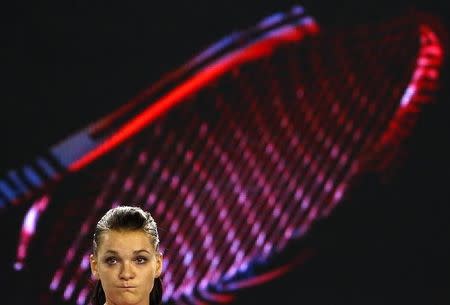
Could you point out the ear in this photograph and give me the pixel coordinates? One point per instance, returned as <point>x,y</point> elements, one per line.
<point>159,264</point>
<point>94,266</point>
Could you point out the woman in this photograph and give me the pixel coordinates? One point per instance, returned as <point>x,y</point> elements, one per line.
<point>126,260</point>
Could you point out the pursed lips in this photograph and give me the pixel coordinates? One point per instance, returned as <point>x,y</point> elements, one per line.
<point>126,286</point>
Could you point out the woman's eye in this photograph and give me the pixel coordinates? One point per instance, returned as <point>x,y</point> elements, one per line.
<point>111,260</point>
<point>141,260</point>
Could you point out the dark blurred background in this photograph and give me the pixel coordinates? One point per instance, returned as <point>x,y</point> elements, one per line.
<point>67,64</point>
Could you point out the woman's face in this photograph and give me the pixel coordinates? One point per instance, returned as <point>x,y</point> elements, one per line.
<point>126,263</point>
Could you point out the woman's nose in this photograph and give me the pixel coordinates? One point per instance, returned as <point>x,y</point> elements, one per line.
<point>127,271</point>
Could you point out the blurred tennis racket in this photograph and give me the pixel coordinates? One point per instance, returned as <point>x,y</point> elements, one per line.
<point>237,153</point>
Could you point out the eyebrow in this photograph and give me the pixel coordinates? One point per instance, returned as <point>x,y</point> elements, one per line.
<point>134,252</point>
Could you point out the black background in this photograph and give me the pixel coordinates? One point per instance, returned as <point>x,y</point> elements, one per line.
<point>66,64</point>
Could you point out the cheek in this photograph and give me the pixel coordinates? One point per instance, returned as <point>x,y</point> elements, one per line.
<point>106,276</point>
<point>148,278</point>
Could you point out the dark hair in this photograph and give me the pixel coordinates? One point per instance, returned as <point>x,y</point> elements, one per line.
<point>126,218</point>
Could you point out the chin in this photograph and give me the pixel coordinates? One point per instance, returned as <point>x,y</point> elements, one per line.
<point>127,300</point>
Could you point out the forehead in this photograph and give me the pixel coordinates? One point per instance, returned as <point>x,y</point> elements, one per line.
<point>125,241</point>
